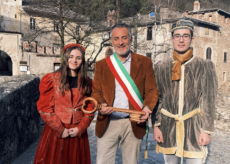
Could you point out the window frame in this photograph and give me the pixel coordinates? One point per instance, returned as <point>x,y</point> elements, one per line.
<point>45,50</point>
<point>209,55</point>
<point>149,33</point>
<point>149,53</point>
<point>225,57</point>
<point>224,76</point>
<point>56,29</point>
<point>32,23</point>
<point>56,66</point>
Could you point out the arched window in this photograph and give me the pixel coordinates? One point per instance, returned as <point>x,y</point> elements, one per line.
<point>209,53</point>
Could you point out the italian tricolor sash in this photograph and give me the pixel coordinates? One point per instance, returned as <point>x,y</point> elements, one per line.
<point>125,81</point>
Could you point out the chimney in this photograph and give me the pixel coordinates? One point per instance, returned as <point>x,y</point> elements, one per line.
<point>111,18</point>
<point>164,13</point>
<point>196,6</point>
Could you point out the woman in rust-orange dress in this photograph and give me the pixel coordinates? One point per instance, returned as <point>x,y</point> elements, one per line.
<point>64,139</point>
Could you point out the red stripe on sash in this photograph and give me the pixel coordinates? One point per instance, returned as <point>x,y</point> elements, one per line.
<point>122,84</point>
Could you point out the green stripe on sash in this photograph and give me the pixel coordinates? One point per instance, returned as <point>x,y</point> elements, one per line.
<point>128,77</point>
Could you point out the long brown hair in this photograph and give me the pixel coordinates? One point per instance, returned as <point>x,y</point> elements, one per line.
<point>85,81</point>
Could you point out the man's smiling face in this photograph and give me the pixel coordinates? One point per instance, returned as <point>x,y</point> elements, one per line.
<point>121,41</point>
<point>181,45</point>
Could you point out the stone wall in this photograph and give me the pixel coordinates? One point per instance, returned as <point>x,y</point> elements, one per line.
<point>223,46</point>
<point>223,112</point>
<point>222,115</point>
<point>218,41</point>
<point>19,119</point>
<point>41,63</point>
<point>203,39</point>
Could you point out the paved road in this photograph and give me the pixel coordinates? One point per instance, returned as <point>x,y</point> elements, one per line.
<point>219,150</point>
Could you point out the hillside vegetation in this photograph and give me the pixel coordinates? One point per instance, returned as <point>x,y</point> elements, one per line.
<point>97,9</point>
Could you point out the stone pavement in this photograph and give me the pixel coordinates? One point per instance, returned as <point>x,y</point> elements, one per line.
<point>219,150</point>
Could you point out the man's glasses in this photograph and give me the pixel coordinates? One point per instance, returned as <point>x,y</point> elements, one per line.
<point>185,37</point>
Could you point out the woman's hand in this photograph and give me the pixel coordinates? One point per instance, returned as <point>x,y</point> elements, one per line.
<point>65,133</point>
<point>73,132</point>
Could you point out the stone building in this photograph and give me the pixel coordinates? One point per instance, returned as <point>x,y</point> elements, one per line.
<point>211,37</point>
<point>151,35</point>
<point>29,42</point>
<point>215,44</point>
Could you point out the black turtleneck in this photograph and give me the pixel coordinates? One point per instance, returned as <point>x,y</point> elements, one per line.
<point>73,81</point>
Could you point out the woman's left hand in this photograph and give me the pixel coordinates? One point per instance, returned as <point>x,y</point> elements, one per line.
<point>73,132</point>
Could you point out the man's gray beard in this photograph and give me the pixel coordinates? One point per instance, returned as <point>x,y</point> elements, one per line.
<point>127,52</point>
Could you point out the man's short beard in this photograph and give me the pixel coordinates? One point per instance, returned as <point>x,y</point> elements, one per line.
<point>126,52</point>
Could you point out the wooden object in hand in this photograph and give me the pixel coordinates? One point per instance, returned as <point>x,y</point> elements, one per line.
<point>134,114</point>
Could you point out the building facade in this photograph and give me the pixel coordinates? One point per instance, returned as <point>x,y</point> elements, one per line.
<point>152,36</point>
<point>215,46</point>
<point>23,49</point>
<point>29,37</point>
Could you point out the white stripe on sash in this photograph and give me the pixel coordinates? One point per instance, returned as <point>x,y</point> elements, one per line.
<point>126,82</point>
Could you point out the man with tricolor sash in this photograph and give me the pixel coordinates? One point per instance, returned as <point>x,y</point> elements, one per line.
<point>124,80</point>
<point>188,90</point>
